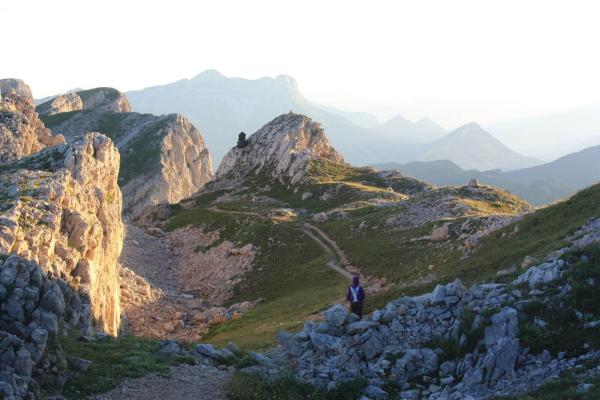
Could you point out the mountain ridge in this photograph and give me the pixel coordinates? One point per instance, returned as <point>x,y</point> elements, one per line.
<point>472,147</point>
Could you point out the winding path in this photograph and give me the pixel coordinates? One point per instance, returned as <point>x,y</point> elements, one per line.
<point>339,259</point>
<point>326,243</point>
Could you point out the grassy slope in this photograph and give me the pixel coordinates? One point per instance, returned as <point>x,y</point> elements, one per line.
<point>294,274</point>
<point>140,155</point>
<point>392,255</point>
<point>112,360</point>
<point>289,275</point>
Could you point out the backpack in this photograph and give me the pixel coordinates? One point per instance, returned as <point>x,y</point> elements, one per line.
<point>355,292</point>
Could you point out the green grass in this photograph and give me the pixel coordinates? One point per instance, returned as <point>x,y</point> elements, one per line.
<point>110,124</point>
<point>52,121</point>
<point>563,331</point>
<point>114,359</point>
<point>303,291</point>
<point>142,153</point>
<point>112,93</point>
<point>390,253</point>
<point>562,389</point>
<point>245,386</point>
<point>289,274</point>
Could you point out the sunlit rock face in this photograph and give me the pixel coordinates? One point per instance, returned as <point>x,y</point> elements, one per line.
<point>282,148</point>
<point>61,208</point>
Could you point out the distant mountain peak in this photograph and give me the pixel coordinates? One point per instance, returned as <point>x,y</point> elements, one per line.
<point>472,147</point>
<point>209,74</point>
<point>397,119</point>
<point>472,125</point>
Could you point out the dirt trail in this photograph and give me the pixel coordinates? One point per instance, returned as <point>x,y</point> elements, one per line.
<point>333,263</point>
<point>187,382</point>
<point>219,210</point>
<point>315,234</point>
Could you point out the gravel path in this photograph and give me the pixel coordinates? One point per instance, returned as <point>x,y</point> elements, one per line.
<point>187,382</point>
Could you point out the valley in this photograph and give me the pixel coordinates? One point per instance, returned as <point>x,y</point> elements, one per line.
<point>132,269</point>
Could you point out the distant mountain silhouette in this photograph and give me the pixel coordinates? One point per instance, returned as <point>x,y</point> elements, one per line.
<point>423,131</point>
<point>222,107</point>
<point>539,185</point>
<point>471,147</point>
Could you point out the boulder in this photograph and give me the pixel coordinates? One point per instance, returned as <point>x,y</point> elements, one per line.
<point>336,315</point>
<point>320,217</point>
<point>375,393</point>
<point>440,233</point>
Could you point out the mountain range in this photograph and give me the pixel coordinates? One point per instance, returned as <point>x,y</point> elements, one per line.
<point>539,185</point>
<point>222,107</point>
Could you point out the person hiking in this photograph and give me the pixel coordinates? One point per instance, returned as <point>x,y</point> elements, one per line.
<point>356,296</point>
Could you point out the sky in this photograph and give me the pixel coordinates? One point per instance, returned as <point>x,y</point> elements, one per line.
<point>454,61</point>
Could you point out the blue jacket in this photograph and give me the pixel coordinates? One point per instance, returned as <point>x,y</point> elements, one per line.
<point>360,294</point>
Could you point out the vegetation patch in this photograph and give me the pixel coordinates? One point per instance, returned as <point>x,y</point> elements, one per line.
<point>113,360</point>
<point>244,386</point>
<point>142,153</point>
<point>558,323</point>
<point>290,274</point>
<point>52,121</point>
<point>392,253</point>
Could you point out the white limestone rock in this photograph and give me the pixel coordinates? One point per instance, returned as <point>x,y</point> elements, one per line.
<point>281,149</point>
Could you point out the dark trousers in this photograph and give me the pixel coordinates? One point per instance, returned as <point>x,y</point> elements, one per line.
<point>356,308</point>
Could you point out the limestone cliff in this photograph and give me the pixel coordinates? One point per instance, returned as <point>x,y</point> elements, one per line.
<point>282,148</point>
<point>103,98</point>
<point>21,131</point>
<point>61,208</point>
<point>164,158</point>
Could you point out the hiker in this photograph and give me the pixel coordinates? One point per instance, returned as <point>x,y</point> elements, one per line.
<point>356,296</point>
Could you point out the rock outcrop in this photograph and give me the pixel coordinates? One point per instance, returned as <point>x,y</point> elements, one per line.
<point>98,99</point>
<point>164,158</point>
<point>282,149</point>
<point>10,86</point>
<point>455,342</point>
<point>61,208</point>
<point>21,131</point>
<point>33,310</point>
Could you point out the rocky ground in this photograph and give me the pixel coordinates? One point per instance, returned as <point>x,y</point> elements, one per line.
<point>172,289</point>
<point>459,343</point>
<point>186,382</point>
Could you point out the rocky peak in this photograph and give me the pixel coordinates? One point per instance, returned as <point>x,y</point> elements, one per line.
<point>11,86</point>
<point>164,158</point>
<point>21,131</point>
<point>98,99</point>
<point>282,148</point>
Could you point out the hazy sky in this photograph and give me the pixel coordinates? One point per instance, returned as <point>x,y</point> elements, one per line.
<point>455,61</point>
